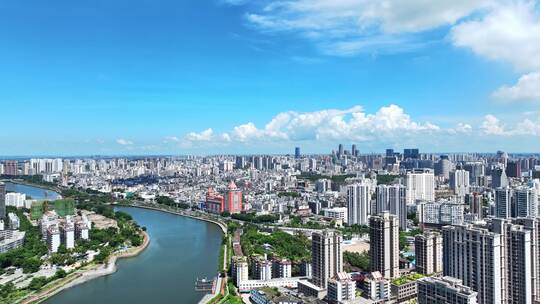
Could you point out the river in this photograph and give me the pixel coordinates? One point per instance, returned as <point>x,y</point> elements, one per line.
<point>34,192</point>
<point>181,249</point>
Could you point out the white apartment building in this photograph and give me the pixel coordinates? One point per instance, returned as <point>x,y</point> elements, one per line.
<point>420,185</point>
<point>338,213</point>
<point>359,203</point>
<point>392,198</point>
<point>341,288</point>
<point>459,182</point>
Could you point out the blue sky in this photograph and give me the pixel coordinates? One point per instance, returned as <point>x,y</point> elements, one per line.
<point>263,76</point>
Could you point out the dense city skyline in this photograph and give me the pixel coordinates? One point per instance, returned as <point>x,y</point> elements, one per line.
<point>264,76</point>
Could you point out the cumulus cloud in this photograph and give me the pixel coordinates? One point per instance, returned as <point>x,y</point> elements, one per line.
<point>510,32</point>
<point>527,89</point>
<point>493,126</point>
<point>390,122</point>
<point>124,142</point>
<point>385,127</point>
<point>205,135</point>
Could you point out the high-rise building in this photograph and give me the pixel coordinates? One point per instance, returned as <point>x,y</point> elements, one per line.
<point>516,261</point>
<point>525,201</point>
<point>384,244</point>
<point>503,199</point>
<point>443,167</point>
<point>257,162</point>
<point>498,178</point>
<point>411,153</point>
<point>240,162</point>
<point>513,169</point>
<point>297,152</point>
<point>475,202</point>
<point>233,199</point>
<point>359,203</point>
<point>445,290</point>
<point>340,151</point>
<point>326,256</point>
<point>2,200</point>
<point>459,182</point>
<point>392,198</point>
<point>11,167</point>
<point>532,224</point>
<point>473,255</point>
<point>428,253</point>
<point>476,170</point>
<point>354,152</point>
<point>420,185</point>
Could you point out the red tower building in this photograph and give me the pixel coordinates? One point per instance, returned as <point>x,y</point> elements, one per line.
<point>233,199</point>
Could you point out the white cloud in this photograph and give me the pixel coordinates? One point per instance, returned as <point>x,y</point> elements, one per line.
<point>124,142</point>
<point>509,32</point>
<point>347,27</point>
<point>492,126</point>
<point>528,127</point>
<point>463,128</point>
<point>206,135</point>
<point>527,89</point>
<point>387,123</point>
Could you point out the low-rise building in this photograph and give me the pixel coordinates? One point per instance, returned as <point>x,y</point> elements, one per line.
<point>261,268</point>
<point>405,287</point>
<point>53,238</point>
<point>337,213</point>
<point>67,234</point>
<point>11,239</point>
<point>239,269</point>
<point>309,289</point>
<point>14,222</point>
<point>445,290</point>
<point>341,288</point>
<point>376,287</point>
<point>281,268</point>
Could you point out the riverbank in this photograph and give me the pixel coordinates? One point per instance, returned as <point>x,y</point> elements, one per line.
<point>26,183</point>
<point>84,275</point>
<point>222,226</point>
<point>222,258</point>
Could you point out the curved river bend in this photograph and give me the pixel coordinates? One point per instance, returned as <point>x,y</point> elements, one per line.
<point>181,249</point>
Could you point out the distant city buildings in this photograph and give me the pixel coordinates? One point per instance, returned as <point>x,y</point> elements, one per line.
<point>2,200</point>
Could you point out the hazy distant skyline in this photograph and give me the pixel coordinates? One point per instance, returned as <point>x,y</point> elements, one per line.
<point>263,76</point>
